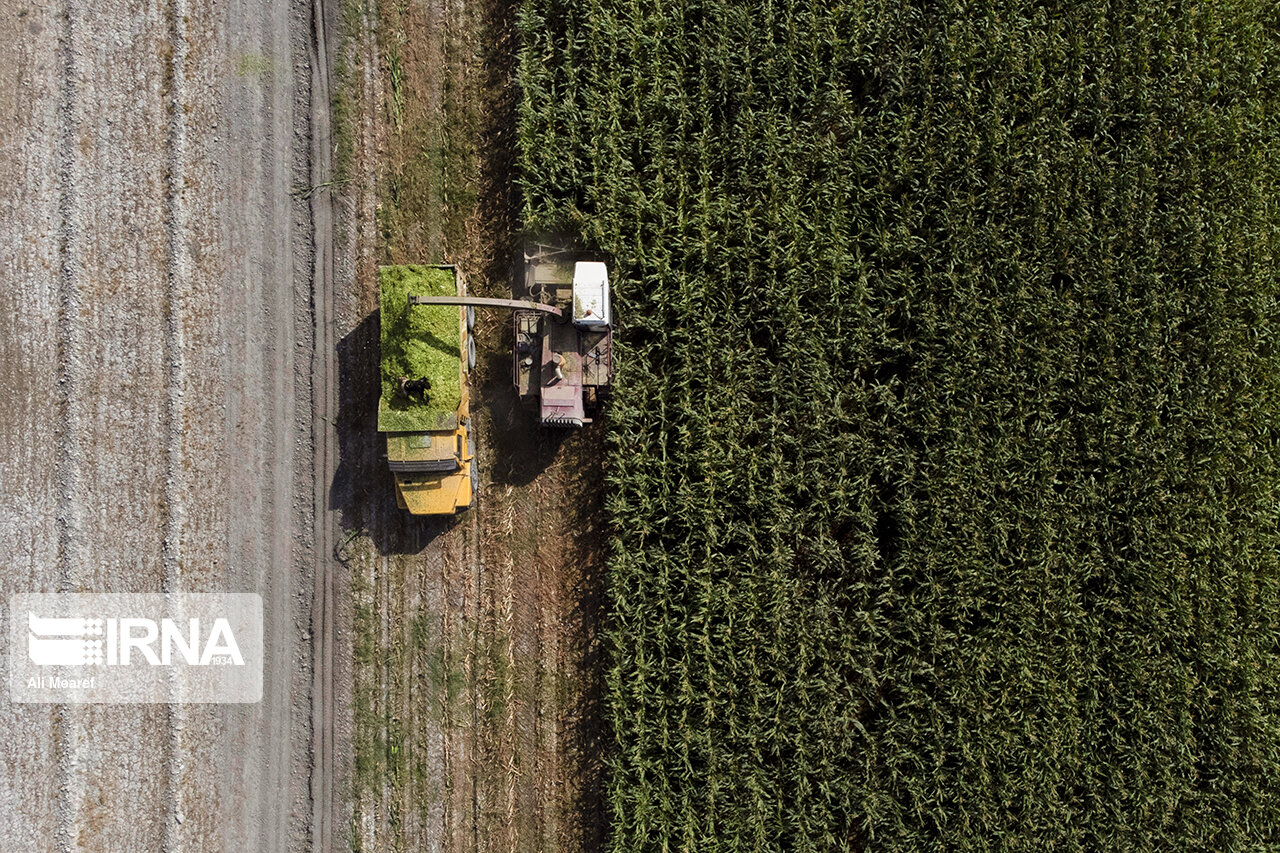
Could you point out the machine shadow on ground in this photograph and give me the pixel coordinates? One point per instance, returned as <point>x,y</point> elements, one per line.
<point>363,489</point>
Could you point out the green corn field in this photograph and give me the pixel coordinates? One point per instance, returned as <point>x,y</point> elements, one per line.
<point>944,477</point>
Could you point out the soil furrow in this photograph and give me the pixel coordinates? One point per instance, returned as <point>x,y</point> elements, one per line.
<point>70,789</point>
<point>174,358</point>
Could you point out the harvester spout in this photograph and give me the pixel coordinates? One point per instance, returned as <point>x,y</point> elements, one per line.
<point>484,302</point>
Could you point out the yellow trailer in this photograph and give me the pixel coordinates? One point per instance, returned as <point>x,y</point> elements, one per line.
<point>430,450</point>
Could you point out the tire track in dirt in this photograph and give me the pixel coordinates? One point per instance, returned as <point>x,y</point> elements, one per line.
<point>324,804</point>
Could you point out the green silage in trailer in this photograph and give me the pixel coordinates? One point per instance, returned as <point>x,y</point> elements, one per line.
<point>421,342</point>
<point>944,486</point>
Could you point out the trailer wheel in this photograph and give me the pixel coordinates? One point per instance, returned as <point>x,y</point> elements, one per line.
<point>471,317</point>
<point>471,353</point>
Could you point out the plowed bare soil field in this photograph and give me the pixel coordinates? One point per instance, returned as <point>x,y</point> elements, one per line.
<point>164,268</point>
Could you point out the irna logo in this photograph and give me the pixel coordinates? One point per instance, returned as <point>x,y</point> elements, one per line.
<point>80,641</point>
<point>146,647</point>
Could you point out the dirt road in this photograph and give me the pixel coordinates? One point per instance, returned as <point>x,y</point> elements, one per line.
<point>165,283</point>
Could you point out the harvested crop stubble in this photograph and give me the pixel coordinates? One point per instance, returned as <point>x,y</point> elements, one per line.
<point>945,487</point>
